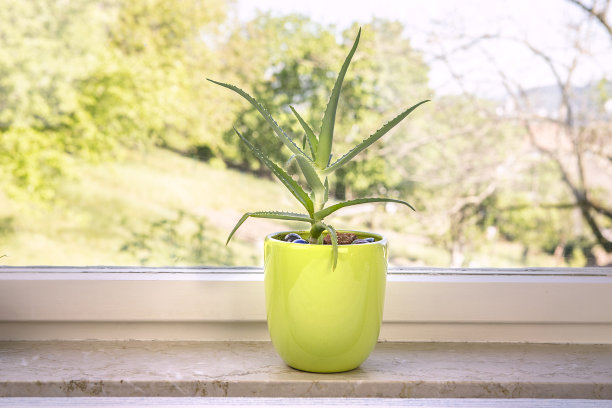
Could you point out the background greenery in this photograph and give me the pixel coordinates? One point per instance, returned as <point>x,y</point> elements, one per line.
<point>115,150</point>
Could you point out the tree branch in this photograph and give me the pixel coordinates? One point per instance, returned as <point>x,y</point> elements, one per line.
<point>600,15</point>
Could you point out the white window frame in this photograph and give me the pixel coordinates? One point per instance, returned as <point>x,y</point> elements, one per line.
<point>539,305</point>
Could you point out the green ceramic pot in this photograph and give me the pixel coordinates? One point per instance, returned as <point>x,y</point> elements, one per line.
<point>322,320</point>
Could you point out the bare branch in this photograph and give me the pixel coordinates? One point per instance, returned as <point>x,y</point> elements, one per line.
<point>600,15</point>
<point>600,209</point>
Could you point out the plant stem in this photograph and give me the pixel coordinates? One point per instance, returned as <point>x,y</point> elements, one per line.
<point>315,232</point>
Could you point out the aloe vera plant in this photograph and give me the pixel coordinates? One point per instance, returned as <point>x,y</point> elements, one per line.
<point>315,163</point>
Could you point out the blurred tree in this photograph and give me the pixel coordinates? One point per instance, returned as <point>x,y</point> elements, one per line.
<point>163,46</point>
<point>280,61</point>
<point>466,157</point>
<point>46,47</point>
<point>598,9</point>
<point>387,76</point>
<point>563,147</point>
<point>292,60</point>
<point>81,78</point>
<point>576,138</point>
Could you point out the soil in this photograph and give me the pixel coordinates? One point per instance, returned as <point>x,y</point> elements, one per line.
<point>344,238</point>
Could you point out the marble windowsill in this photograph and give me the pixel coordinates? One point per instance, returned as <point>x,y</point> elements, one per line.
<point>252,369</point>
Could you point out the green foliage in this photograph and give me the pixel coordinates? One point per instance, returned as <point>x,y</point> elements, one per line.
<point>315,169</point>
<point>532,225</point>
<point>7,226</point>
<point>45,47</point>
<point>538,213</point>
<point>158,43</point>
<point>464,158</point>
<point>291,65</point>
<point>111,203</point>
<point>184,239</point>
<point>288,65</point>
<point>88,81</point>
<point>29,161</point>
<point>82,78</point>
<point>387,73</point>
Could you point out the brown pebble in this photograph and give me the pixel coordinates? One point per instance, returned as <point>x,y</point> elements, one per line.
<point>344,238</point>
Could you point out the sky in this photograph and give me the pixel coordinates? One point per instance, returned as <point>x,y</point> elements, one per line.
<point>541,22</point>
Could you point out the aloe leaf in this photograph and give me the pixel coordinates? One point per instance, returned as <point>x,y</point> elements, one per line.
<point>295,189</point>
<point>312,151</point>
<point>326,185</point>
<point>312,139</point>
<point>304,143</point>
<point>373,138</point>
<point>319,215</point>
<point>312,178</point>
<point>329,118</point>
<point>334,241</point>
<point>266,115</point>
<point>277,215</point>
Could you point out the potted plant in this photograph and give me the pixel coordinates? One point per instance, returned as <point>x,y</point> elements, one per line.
<point>324,288</point>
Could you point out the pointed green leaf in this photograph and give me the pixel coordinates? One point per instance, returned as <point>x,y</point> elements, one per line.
<point>304,143</point>
<point>326,196</point>
<point>277,129</point>
<point>370,140</point>
<point>319,215</point>
<point>295,189</point>
<point>334,241</point>
<point>327,126</point>
<point>277,215</point>
<point>312,139</point>
<point>312,178</point>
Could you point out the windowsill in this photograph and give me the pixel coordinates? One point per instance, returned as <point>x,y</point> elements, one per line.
<point>228,304</point>
<point>252,369</point>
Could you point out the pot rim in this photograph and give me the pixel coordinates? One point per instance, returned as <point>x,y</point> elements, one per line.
<point>379,239</point>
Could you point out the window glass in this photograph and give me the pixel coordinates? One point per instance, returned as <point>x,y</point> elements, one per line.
<point>115,150</point>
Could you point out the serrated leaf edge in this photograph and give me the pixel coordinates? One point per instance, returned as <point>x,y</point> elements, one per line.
<point>279,215</point>
<point>326,134</point>
<point>371,139</point>
<point>266,115</point>
<point>295,189</point>
<point>321,214</point>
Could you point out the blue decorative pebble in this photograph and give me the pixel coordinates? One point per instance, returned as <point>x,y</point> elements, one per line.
<point>292,237</point>
<point>363,240</point>
<point>300,241</point>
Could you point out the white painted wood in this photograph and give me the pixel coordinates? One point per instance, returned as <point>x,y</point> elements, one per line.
<point>257,331</point>
<point>425,304</point>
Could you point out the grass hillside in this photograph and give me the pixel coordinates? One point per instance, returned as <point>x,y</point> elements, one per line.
<point>155,208</point>
<point>158,208</point>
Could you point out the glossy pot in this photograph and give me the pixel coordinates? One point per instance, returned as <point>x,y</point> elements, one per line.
<point>319,319</point>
